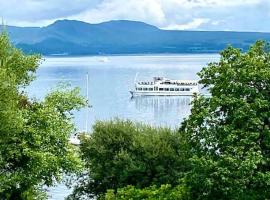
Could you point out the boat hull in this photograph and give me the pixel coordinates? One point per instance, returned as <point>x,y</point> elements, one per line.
<point>163,93</point>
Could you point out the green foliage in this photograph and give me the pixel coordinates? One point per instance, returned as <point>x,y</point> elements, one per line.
<point>121,153</point>
<point>34,136</point>
<point>228,133</point>
<point>164,192</point>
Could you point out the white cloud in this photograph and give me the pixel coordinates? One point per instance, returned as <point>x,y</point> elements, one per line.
<point>150,11</point>
<point>33,11</point>
<point>238,15</point>
<point>194,24</point>
<point>184,14</point>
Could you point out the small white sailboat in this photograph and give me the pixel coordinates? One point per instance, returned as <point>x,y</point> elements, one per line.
<point>74,140</point>
<point>161,86</point>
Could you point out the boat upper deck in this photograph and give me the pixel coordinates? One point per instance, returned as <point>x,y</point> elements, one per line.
<point>165,81</point>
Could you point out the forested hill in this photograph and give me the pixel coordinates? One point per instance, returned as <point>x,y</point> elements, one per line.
<point>124,37</point>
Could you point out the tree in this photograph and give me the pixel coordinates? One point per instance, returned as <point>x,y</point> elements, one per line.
<point>121,153</point>
<point>34,135</point>
<point>150,193</point>
<point>228,133</point>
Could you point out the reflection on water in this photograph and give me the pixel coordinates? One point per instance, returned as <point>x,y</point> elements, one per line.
<point>163,106</point>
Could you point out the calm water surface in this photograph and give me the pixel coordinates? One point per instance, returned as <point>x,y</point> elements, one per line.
<point>110,80</point>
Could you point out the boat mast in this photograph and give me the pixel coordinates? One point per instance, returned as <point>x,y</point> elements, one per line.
<point>135,79</point>
<point>87,98</point>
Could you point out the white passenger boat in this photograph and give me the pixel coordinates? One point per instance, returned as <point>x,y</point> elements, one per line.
<point>161,86</point>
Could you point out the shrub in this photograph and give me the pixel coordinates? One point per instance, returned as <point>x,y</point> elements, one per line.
<point>164,192</point>
<point>121,153</point>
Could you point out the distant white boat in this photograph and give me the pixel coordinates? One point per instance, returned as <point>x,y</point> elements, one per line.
<point>59,54</point>
<point>161,86</point>
<point>103,59</point>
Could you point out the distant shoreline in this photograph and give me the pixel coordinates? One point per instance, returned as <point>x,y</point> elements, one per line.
<point>139,54</point>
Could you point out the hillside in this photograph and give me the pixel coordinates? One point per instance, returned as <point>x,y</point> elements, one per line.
<point>124,37</point>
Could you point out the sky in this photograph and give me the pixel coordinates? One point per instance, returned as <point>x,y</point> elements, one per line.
<point>226,15</point>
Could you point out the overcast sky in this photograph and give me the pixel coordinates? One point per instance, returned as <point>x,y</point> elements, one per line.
<point>236,15</point>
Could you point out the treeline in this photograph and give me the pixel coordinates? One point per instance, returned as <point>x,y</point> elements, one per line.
<point>221,151</point>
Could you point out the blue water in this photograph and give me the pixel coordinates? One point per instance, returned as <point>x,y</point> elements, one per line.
<point>110,80</point>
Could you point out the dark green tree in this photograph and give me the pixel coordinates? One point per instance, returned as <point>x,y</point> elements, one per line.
<point>228,133</point>
<point>34,135</point>
<point>166,192</point>
<point>121,153</point>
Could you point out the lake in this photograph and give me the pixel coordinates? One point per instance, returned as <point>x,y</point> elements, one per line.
<point>110,79</point>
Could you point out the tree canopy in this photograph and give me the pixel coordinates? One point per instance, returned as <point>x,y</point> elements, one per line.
<point>166,192</point>
<point>34,135</point>
<point>119,153</point>
<point>228,133</point>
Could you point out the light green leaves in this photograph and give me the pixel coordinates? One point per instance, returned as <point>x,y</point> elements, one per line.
<point>34,135</point>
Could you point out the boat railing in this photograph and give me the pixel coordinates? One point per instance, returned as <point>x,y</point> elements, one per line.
<point>145,83</point>
<point>168,82</point>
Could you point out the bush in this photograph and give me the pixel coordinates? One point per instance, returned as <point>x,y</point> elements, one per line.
<point>164,192</point>
<point>121,153</point>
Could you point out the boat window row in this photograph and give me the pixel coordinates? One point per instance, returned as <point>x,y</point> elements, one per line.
<point>175,83</point>
<point>145,89</point>
<point>174,89</point>
<point>163,89</point>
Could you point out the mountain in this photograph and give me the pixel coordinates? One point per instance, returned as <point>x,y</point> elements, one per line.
<point>124,37</point>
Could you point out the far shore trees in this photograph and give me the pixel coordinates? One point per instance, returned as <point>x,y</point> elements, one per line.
<point>34,135</point>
